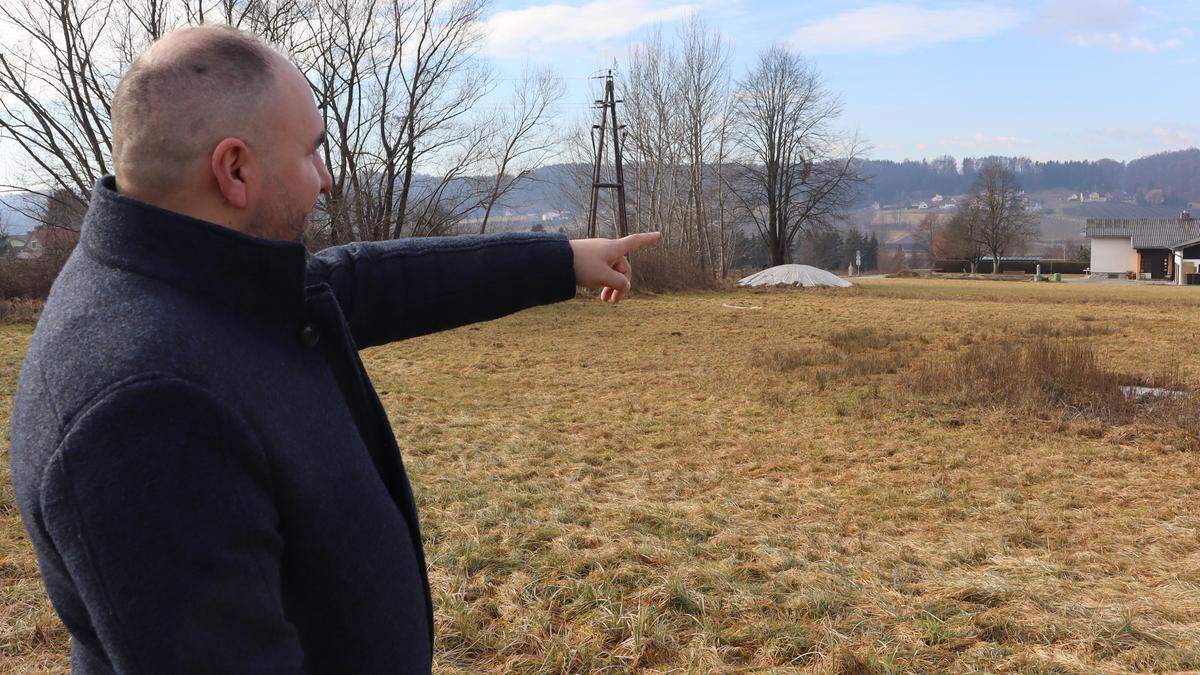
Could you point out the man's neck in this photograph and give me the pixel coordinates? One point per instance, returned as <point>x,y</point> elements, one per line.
<point>183,206</point>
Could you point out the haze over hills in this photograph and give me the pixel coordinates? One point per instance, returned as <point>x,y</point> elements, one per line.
<point>1167,180</point>
<point>1157,186</point>
<point>1176,175</point>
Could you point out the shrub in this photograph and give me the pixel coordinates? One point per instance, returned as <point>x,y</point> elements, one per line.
<point>20,310</point>
<point>1033,374</point>
<point>862,338</point>
<point>662,270</point>
<point>1043,376</point>
<point>29,278</point>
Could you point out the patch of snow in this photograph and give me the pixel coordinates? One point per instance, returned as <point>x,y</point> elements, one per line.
<point>1151,392</point>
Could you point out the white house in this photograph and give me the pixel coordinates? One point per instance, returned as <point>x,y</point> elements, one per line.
<point>1187,261</point>
<point>1154,248</point>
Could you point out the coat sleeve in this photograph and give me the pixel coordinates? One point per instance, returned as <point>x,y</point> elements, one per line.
<point>159,502</point>
<point>391,290</point>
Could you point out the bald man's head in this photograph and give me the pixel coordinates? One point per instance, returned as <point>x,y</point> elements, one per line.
<point>215,124</point>
<point>192,88</point>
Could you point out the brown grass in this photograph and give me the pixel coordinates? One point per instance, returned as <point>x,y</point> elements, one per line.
<point>1027,376</point>
<point>671,485</point>
<point>1041,377</point>
<point>20,310</point>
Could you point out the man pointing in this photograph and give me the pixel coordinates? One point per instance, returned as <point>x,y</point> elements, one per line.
<point>203,467</point>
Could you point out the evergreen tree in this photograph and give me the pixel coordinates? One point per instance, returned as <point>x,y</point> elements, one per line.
<point>871,253</point>
<point>854,242</point>
<point>831,251</point>
<point>822,248</point>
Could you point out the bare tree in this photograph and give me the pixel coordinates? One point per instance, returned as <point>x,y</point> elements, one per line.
<point>54,94</point>
<point>522,137</point>
<point>1004,223</point>
<point>960,238</point>
<point>340,63</point>
<point>705,82</point>
<point>575,182</point>
<point>677,98</point>
<point>924,236</point>
<point>428,82</point>
<point>796,173</point>
<point>648,87</point>
<point>398,83</point>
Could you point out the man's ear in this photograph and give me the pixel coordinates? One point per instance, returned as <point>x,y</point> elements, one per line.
<point>231,167</point>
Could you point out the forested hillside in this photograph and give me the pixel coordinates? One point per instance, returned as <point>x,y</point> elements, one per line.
<point>1169,178</point>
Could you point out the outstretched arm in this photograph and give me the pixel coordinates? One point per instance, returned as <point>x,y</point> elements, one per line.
<point>392,290</point>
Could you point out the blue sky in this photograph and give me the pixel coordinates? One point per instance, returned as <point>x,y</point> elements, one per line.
<point>1053,79</point>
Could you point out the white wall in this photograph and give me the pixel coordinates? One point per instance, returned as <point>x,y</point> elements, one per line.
<point>1113,254</point>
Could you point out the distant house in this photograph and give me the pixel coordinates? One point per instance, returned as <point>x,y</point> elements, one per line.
<point>937,199</point>
<point>32,248</point>
<point>13,244</point>
<point>1154,248</point>
<point>45,238</point>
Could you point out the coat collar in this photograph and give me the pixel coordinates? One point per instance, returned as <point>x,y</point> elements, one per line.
<point>262,276</point>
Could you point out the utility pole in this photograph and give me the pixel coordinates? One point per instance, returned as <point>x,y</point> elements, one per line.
<point>608,107</point>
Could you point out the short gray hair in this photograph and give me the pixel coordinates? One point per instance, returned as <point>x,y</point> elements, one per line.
<point>171,110</point>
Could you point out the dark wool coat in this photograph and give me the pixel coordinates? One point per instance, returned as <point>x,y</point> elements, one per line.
<point>207,475</point>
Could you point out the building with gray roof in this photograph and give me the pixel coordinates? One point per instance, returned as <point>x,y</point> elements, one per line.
<point>1146,248</point>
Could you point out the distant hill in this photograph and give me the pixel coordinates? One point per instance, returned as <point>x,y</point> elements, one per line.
<point>1169,179</point>
<point>1159,185</point>
<point>1176,174</point>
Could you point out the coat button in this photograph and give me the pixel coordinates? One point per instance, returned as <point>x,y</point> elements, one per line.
<point>309,335</point>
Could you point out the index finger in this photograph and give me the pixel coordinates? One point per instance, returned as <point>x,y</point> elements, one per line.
<point>636,242</point>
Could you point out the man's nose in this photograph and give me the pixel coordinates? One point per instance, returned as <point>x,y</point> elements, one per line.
<point>326,178</point>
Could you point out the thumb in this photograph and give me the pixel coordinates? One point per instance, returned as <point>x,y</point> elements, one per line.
<point>636,242</point>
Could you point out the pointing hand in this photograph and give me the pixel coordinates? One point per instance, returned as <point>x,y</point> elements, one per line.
<point>602,263</point>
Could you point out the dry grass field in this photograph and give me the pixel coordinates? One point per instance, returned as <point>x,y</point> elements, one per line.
<point>817,485</point>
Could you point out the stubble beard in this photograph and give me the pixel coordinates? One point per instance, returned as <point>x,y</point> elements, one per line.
<point>279,220</point>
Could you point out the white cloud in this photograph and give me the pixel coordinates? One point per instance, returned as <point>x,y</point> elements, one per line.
<point>1164,136</point>
<point>899,27</point>
<point>521,32</point>
<point>1089,16</point>
<point>1108,24</point>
